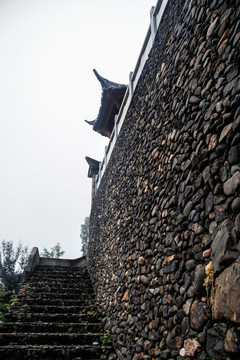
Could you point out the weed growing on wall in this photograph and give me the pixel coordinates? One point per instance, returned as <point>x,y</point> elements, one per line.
<point>106,343</point>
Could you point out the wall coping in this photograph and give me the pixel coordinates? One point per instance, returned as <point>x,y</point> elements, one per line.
<point>80,262</point>
<point>156,14</point>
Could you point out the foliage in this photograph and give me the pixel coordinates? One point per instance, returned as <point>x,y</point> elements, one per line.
<point>13,298</point>
<point>91,313</point>
<point>55,252</point>
<point>12,264</point>
<point>5,297</point>
<point>106,343</point>
<point>84,235</point>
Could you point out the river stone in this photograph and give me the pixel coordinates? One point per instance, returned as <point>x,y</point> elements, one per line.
<point>212,227</point>
<point>212,27</point>
<point>237,223</point>
<point>225,131</point>
<point>219,211</point>
<point>234,169</point>
<point>185,325</point>
<point>206,174</point>
<point>197,228</point>
<point>190,265</point>
<point>180,314</point>
<point>215,341</point>
<point>209,203</point>
<point>223,173</point>
<point>219,106</point>
<point>232,341</point>
<point>191,291</point>
<point>122,276</point>
<point>188,208</point>
<point>224,246</point>
<point>149,253</point>
<point>141,260</point>
<point>231,185</point>
<point>194,100</point>
<point>234,155</point>
<point>235,206</point>
<point>227,295</point>
<point>218,189</point>
<point>158,264</point>
<point>126,296</point>
<point>171,341</point>
<point>165,311</point>
<point>187,306</point>
<point>207,253</point>
<point>236,125</point>
<point>191,346</point>
<point>199,314</point>
<point>236,139</point>
<point>199,277</point>
<point>145,280</point>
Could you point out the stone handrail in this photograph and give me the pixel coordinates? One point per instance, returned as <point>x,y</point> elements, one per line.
<point>156,16</point>
<point>33,261</point>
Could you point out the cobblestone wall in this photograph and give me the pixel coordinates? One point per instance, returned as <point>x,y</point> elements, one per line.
<point>165,223</point>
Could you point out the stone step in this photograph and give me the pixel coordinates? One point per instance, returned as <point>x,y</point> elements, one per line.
<point>55,291</point>
<point>56,287</point>
<point>90,316</point>
<point>55,273</point>
<point>54,317</point>
<point>61,270</point>
<point>63,283</point>
<point>50,352</point>
<point>68,269</point>
<point>55,295</point>
<point>54,277</point>
<point>52,327</point>
<point>57,302</point>
<point>49,338</point>
<point>53,309</point>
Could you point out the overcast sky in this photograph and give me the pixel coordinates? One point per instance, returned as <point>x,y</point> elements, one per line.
<point>48,49</point>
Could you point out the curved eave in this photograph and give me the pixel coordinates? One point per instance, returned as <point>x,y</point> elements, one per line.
<point>111,100</point>
<point>110,103</point>
<point>93,166</point>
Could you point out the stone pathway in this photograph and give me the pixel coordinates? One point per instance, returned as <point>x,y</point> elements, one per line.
<point>54,317</point>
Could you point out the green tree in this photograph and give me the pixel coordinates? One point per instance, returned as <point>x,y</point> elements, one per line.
<point>84,235</point>
<point>12,264</point>
<point>55,252</point>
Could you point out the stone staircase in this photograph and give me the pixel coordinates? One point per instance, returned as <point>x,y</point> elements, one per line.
<point>54,316</point>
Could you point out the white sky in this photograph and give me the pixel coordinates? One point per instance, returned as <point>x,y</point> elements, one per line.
<point>48,49</point>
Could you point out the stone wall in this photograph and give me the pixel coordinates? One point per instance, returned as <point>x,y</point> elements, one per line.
<point>165,223</point>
